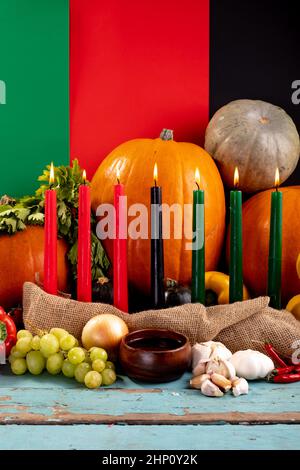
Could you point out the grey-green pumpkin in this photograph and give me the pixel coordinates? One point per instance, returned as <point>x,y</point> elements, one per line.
<point>255,136</point>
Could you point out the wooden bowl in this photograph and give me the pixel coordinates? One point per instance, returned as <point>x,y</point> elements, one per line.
<point>155,355</point>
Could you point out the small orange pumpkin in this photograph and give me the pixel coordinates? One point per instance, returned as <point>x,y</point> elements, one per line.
<point>21,256</point>
<point>176,163</point>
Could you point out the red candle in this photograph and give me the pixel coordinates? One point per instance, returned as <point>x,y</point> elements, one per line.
<point>84,273</point>
<point>50,238</point>
<point>120,249</point>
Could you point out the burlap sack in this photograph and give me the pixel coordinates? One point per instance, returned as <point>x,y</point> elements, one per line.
<point>242,325</point>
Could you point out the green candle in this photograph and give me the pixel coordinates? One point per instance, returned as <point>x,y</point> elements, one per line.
<point>275,247</point>
<point>198,253</point>
<point>236,244</point>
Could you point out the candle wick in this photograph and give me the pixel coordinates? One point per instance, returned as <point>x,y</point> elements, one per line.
<point>197,185</point>
<point>276,188</point>
<point>155,184</point>
<point>118,180</point>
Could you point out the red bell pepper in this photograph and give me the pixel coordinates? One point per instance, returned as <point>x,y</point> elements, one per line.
<point>8,331</point>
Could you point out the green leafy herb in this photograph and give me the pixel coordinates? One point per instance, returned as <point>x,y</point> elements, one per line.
<point>15,214</point>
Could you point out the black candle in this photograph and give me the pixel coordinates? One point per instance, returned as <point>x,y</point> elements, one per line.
<point>157,248</point>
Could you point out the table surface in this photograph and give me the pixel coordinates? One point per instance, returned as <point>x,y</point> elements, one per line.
<point>49,412</point>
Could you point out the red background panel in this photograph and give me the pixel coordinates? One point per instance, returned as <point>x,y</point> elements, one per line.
<point>136,67</point>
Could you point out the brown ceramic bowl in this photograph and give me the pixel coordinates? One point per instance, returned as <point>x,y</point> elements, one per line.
<point>155,355</point>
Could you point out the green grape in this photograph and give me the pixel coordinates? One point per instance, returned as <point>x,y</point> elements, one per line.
<point>49,345</point>
<point>110,365</point>
<point>35,362</point>
<point>108,376</point>
<point>67,342</point>
<point>68,369</point>
<point>23,345</point>
<point>98,353</point>
<point>19,366</point>
<point>93,379</point>
<point>76,342</point>
<point>98,365</point>
<point>58,332</point>
<point>81,370</point>
<point>24,334</point>
<point>54,363</point>
<point>16,354</point>
<point>35,343</point>
<point>76,355</point>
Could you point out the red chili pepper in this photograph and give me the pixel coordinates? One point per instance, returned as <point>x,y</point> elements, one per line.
<point>274,355</point>
<point>283,370</point>
<point>286,378</point>
<point>8,331</point>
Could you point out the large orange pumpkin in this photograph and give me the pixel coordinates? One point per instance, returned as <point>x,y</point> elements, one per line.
<point>21,256</point>
<point>176,174</point>
<point>256,229</point>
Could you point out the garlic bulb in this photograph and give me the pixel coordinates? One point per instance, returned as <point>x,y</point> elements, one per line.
<point>251,364</point>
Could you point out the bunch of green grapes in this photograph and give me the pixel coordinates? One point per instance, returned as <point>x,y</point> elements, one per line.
<point>58,351</point>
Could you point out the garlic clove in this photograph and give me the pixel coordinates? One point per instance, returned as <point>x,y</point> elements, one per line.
<point>221,381</point>
<point>196,382</point>
<point>200,354</point>
<point>209,389</point>
<point>229,369</point>
<point>199,369</point>
<point>240,387</point>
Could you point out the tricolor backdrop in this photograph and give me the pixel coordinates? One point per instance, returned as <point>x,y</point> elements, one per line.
<point>132,68</point>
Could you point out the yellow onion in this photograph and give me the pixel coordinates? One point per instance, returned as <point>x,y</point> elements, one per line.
<point>104,331</point>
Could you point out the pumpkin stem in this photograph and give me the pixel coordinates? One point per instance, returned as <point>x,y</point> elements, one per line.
<point>166,134</point>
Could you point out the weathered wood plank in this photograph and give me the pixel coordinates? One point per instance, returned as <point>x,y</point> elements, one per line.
<point>64,418</point>
<point>102,437</point>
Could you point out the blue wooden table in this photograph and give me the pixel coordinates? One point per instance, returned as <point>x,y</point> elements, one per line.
<point>48,412</point>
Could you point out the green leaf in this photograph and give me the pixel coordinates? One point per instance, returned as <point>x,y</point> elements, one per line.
<point>22,213</point>
<point>9,225</point>
<point>36,218</point>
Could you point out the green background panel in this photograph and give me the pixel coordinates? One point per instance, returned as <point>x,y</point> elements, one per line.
<point>34,64</point>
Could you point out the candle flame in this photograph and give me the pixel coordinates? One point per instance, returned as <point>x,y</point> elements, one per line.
<point>84,176</point>
<point>155,173</point>
<point>119,171</point>
<point>236,177</point>
<point>197,177</point>
<point>277,178</point>
<point>51,176</point>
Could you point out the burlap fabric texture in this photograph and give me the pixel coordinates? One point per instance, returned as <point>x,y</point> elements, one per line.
<point>242,325</point>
